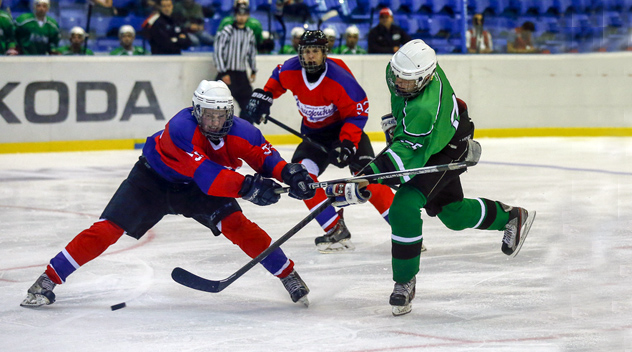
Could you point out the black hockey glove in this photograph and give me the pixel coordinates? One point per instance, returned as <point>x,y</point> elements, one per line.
<point>342,153</point>
<point>297,177</point>
<point>259,190</point>
<point>258,107</point>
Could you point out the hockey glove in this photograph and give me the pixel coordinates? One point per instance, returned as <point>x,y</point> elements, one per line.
<point>259,190</point>
<point>342,153</point>
<point>388,126</point>
<point>258,107</point>
<point>347,193</point>
<point>298,178</point>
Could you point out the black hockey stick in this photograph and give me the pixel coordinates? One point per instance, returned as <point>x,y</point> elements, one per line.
<point>85,42</point>
<point>193,281</point>
<point>304,137</point>
<point>297,133</point>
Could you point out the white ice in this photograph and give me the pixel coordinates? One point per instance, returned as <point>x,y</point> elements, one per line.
<point>569,289</point>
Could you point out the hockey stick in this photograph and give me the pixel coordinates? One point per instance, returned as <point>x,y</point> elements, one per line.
<point>85,42</point>
<point>472,158</point>
<point>193,281</point>
<point>297,133</point>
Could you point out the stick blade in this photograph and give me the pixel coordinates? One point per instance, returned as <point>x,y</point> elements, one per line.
<point>188,279</point>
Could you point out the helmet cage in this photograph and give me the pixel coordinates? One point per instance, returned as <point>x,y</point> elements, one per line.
<point>311,66</point>
<point>419,83</point>
<point>200,103</point>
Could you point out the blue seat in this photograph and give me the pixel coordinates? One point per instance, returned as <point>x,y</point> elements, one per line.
<point>409,6</point>
<point>445,6</point>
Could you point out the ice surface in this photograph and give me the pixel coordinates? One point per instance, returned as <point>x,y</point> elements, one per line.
<point>569,289</point>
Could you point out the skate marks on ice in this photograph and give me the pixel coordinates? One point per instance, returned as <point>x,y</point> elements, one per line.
<point>568,290</point>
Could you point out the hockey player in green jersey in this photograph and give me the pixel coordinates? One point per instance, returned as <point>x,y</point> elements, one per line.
<point>77,39</point>
<point>36,33</point>
<point>7,34</point>
<point>429,125</point>
<point>127,34</point>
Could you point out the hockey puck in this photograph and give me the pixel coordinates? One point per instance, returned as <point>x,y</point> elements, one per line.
<point>118,306</point>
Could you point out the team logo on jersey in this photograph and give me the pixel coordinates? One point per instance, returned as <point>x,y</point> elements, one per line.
<point>313,113</point>
<point>411,145</point>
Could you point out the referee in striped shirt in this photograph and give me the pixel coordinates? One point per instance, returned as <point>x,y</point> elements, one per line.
<point>235,49</point>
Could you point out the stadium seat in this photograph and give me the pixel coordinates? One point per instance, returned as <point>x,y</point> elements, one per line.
<point>445,6</point>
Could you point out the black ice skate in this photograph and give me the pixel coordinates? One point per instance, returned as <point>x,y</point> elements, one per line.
<point>516,230</point>
<point>402,296</point>
<point>296,287</point>
<point>40,293</point>
<point>335,240</point>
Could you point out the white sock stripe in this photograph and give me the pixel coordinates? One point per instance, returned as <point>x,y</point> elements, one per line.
<point>407,239</point>
<point>483,212</point>
<point>70,259</point>
<point>385,214</point>
<point>287,263</point>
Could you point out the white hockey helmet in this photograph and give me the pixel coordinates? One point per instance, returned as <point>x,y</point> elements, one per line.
<point>330,33</point>
<point>47,2</point>
<point>297,32</point>
<point>78,30</point>
<point>126,28</point>
<point>414,62</point>
<point>213,97</point>
<point>352,30</point>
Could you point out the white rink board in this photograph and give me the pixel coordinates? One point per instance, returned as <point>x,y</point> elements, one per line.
<point>502,91</point>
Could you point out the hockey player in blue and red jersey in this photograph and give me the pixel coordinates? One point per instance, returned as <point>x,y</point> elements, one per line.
<point>188,168</point>
<point>334,110</point>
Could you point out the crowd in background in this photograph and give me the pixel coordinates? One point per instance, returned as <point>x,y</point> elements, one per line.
<point>139,27</point>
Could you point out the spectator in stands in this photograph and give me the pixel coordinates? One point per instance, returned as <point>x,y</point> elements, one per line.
<point>126,35</point>
<point>521,40</point>
<point>292,49</point>
<point>292,10</point>
<point>330,33</point>
<point>386,37</point>
<point>252,22</point>
<point>166,36</point>
<point>190,14</point>
<point>104,7</point>
<point>77,39</point>
<point>235,52</point>
<point>477,39</point>
<point>352,35</point>
<point>36,33</point>
<point>7,34</point>
<point>267,45</point>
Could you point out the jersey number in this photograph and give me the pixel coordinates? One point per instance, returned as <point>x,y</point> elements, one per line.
<point>363,108</point>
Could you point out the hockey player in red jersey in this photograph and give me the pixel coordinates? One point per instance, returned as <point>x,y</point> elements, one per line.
<point>188,168</point>
<point>334,110</point>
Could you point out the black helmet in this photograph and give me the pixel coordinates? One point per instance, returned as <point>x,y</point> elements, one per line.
<point>312,39</point>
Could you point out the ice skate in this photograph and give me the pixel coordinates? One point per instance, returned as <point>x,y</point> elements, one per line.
<point>296,287</point>
<point>516,230</point>
<point>402,296</point>
<point>335,240</point>
<point>40,293</point>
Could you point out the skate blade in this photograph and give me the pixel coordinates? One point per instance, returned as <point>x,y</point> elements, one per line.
<point>304,300</point>
<point>525,232</point>
<point>34,301</point>
<point>401,310</point>
<point>336,247</point>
